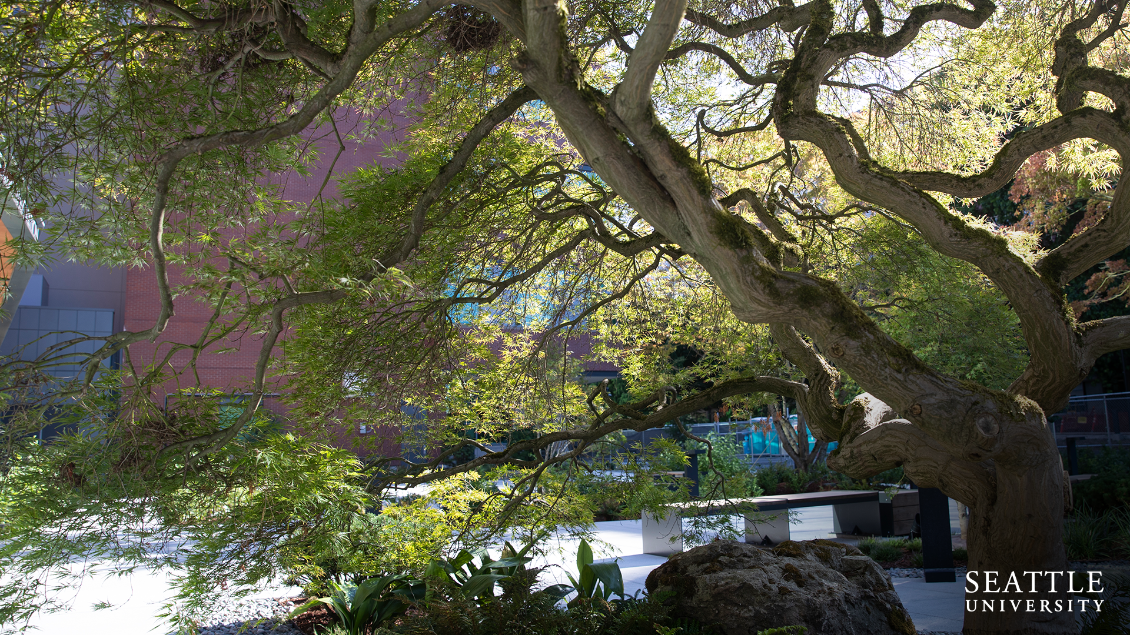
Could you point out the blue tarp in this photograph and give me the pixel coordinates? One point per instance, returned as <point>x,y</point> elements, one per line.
<point>756,442</point>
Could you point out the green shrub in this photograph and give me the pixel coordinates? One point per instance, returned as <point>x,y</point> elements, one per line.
<point>916,560</point>
<point>1120,530</point>
<point>1090,535</point>
<point>785,630</point>
<point>594,580</point>
<point>960,554</point>
<point>865,544</point>
<point>725,472</point>
<point>368,605</point>
<point>915,545</point>
<point>768,477</point>
<point>885,551</point>
<point>521,611</point>
<point>1109,488</point>
<point>1084,535</point>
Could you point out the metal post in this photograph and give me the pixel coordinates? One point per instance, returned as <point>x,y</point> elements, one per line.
<point>1106,419</point>
<point>937,544</point>
<point>692,473</point>
<point>1072,457</point>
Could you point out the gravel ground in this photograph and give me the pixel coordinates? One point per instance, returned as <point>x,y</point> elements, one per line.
<point>242,616</point>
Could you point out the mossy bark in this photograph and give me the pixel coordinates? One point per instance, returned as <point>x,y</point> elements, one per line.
<point>1020,530</point>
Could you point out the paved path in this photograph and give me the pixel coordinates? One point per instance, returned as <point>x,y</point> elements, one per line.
<point>134,601</point>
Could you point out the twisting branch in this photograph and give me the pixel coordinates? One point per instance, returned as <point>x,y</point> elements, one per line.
<point>416,229</point>
<point>1053,369</point>
<point>360,48</point>
<point>1013,154</point>
<point>1105,336</point>
<point>877,440</point>
<point>722,54</point>
<point>292,30</point>
<point>232,18</point>
<point>613,418</point>
<point>632,247</point>
<point>218,439</point>
<point>789,18</point>
<point>452,168</point>
<point>632,98</point>
<point>785,241</point>
<point>722,134</point>
<point>819,403</point>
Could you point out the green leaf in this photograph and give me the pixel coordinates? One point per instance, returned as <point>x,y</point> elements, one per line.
<point>584,555</point>
<point>610,577</point>
<point>587,588</point>
<point>481,584</point>
<point>559,591</point>
<point>506,562</point>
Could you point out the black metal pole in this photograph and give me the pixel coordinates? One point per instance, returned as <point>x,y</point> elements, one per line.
<point>937,544</point>
<point>692,473</point>
<point>1072,457</point>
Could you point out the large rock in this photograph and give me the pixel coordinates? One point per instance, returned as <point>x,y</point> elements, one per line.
<point>739,588</point>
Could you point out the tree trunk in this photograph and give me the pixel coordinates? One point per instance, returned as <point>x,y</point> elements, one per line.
<point>1021,530</point>
<point>1013,487</point>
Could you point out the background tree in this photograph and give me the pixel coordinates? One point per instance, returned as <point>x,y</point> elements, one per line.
<point>562,154</point>
<point>794,441</point>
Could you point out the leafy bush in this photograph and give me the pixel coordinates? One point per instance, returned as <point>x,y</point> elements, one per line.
<point>865,544</point>
<point>1120,530</point>
<point>885,551</point>
<point>599,580</point>
<point>882,550</point>
<point>1089,535</point>
<point>368,605</point>
<point>768,478</point>
<point>1109,488</point>
<point>724,472</point>
<point>961,554</point>
<point>477,580</point>
<point>785,630</point>
<point>521,611</point>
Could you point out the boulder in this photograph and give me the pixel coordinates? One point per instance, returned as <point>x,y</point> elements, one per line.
<point>740,588</point>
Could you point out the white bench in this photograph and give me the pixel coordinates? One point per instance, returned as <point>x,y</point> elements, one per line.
<point>851,511</point>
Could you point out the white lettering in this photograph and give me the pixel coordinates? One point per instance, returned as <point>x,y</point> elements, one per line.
<point>971,606</point>
<point>971,578</point>
<point>1059,606</point>
<point>1015,604</point>
<point>1052,575</point>
<point>988,605</point>
<point>1071,583</point>
<point>1093,579</point>
<point>1030,606</point>
<point>1033,575</point>
<point>1098,605</point>
<point>1045,606</point>
<point>991,582</point>
<point>1012,582</point>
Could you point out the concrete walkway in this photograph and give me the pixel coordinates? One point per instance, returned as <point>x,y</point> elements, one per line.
<point>133,602</point>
